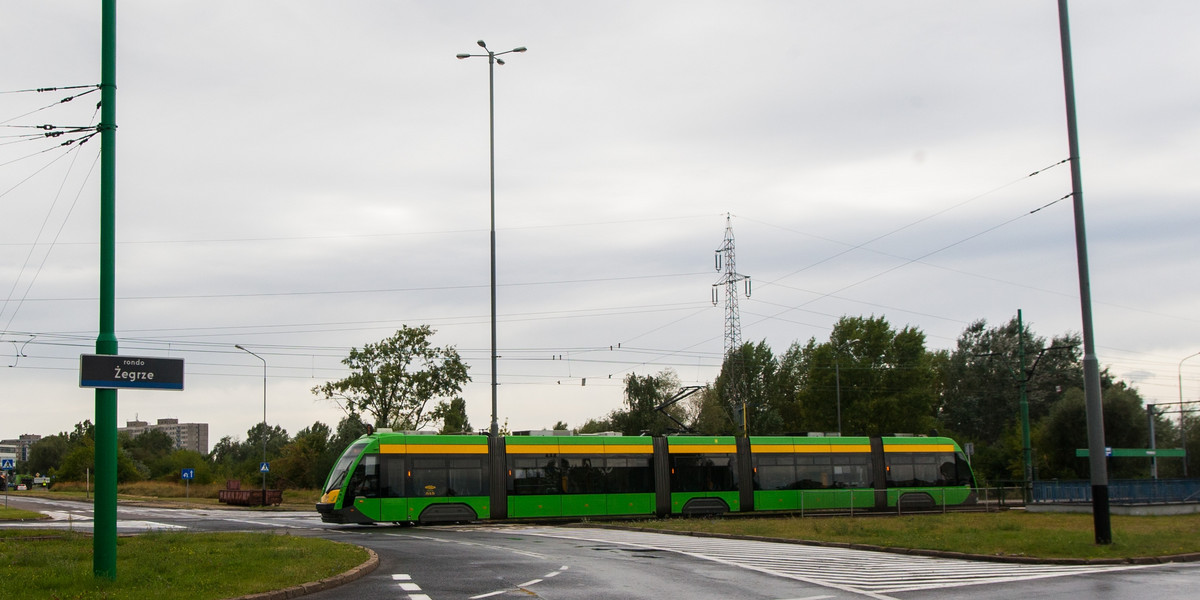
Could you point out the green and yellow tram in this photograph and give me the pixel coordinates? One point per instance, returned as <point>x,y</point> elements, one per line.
<point>395,477</point>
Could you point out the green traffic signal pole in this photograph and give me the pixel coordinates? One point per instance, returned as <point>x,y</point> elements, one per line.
<point>104,538</point>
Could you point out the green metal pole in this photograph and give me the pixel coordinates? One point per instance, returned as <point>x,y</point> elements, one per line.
<point>104,538</point>
<point>1024,408</point>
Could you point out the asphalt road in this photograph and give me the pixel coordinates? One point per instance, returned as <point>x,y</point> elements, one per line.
<point>530,561</point>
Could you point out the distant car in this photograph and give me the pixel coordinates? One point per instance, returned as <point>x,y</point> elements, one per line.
<point>21,487</point>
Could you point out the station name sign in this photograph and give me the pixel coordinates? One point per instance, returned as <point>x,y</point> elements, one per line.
<point>130,372</point>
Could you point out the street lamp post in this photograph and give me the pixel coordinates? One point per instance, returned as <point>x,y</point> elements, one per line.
<point>264,422</point>
<point>492,61</point>
<point>837,372</point>
<point>1183,415</point>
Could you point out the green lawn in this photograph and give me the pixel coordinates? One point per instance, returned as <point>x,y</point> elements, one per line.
<point>167,566</point>
<point>1007,533</point>
<point>16,514</point>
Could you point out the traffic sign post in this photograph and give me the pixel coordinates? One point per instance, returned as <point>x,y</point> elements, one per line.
<point>7,464</point>
<point>188,475</point>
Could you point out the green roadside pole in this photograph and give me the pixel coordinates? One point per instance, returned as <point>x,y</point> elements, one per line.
<point>104,538</point>
<point>1026,446</point>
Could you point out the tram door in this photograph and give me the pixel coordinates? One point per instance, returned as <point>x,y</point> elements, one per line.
<point>363,490</point>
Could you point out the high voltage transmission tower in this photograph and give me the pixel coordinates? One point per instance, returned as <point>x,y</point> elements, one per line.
<point>725,255</point>
<point>735,382</point>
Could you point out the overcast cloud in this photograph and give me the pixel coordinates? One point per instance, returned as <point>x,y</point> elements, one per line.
<point>302,177</point>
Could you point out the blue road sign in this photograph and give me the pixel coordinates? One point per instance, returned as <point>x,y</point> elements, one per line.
<point>189,474</point>
<point>8,464</point>
<point>264,468</point>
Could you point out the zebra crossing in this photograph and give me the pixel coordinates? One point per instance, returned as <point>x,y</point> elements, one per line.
<point>872,574</point>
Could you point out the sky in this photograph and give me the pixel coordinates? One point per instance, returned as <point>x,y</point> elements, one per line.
<point>302,177</point>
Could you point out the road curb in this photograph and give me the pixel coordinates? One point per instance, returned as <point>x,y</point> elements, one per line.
<point>321,585</point>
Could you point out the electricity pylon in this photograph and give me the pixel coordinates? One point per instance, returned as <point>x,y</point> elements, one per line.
<point>733,327</point>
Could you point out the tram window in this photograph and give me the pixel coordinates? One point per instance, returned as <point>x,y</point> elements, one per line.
<point>585,474</point>
<point>900,475</point>
<point>775,472</point>
<point>909,469</point>
<point>447,476</point>
<point>365,481</point>
<point>428,477</point>
<point>628,475</point>
<point>466,477</point>
<point>814,472</point>
<point>392,477</point>
<point>525,476</point>
<point>704,473</point>
<point>899,469</point>
<point>851,470</point>
<point>962,470</point>
<point>531,476</point>
<point>925,470</point>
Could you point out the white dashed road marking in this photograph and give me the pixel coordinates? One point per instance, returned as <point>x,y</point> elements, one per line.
<point>406,584</point>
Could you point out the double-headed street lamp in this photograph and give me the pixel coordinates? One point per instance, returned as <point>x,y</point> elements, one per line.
<point>493,59</point>
<point>264,429</point>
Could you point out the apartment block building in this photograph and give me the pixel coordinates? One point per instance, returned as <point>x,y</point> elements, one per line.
<point>187,436</point>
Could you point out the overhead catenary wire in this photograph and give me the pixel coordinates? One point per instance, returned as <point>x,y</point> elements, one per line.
<point>46,256</point>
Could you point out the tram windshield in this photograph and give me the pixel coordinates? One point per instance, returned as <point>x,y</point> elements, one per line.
<point>338,474</point>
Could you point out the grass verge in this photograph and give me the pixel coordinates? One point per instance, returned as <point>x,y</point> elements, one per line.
<point>167,566</point>
<point>16,514</point>
<point>170,493</point>
<point>1007,533</point>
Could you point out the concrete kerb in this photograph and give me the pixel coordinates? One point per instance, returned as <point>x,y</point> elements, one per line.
<point>1138,560</point>
<point>321,585</point>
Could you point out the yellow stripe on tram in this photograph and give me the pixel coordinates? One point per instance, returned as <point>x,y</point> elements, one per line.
<point>433,449</point>
<point>447,449</point>
<point>703,449</point>
<point>918,448</point>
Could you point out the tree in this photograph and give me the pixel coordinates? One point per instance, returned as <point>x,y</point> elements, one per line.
<point>173,465</point>
<point>789,377</point>
<point>394,380</point>
<point>453,416</point>
<point>643,395</point>
<point>300,462</point>
<point>148,450</point>
<point>747,390</point>
<point>980,380</point>
<point>879,379</point>
<point>47,453</point>
<point>711,416</point>
<point>350,428</point>
<point>597,426</point>
<point>979,391</point>
<point>240,460</point>
<point>1065,430</point>
<point>82,458</point>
